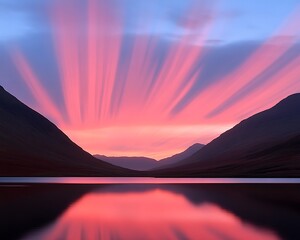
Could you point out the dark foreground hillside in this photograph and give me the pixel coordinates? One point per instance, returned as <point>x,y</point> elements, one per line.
<point>30,145</point>
<point>264,145</point>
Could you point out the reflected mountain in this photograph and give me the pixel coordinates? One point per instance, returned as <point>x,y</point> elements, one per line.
<point>168,211</point>
<point>155,214</point>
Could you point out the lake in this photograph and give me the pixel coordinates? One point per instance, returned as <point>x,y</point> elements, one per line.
<point>145,208</point>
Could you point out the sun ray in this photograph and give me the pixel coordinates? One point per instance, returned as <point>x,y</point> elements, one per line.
<point>46,105</point>
<point>112,47</point>
<point>113,79</point>
<point>267,54</point>
<point>179,65</point>
<point>284,83</point>
<point>66,44</point>
<point>92,63</point>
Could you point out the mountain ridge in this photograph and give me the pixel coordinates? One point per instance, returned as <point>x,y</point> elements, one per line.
<point>134,163</point>
<point>141,163</point>
<point>251,137</point>
<point>31,145</point>
<point>266,144</point>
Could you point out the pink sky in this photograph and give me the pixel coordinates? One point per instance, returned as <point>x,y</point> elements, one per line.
<point>114,110</point>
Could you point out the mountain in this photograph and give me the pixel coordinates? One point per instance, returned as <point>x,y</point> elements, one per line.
<point>264,145</point>
<point>169,161</point>
<point>30,145</point>
<point>144,163</point>
<point>134,163</point>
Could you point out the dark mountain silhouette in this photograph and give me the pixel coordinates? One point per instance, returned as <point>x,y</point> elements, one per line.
<point>135,163</point>
<point>30,145</point>
<point>144,163</point>
<point>264,145</point>
<point>180,156</point>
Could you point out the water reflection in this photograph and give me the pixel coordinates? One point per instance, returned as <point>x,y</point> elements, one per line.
<point>156,214</point>
<point>189,211</point>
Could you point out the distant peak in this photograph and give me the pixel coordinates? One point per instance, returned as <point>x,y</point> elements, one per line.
<point>290,100</point>
<point>295,96</point>
<point>2,88</point>
<point>196,145</point>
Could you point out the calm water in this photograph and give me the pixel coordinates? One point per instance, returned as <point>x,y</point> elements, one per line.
<point>93,208</point>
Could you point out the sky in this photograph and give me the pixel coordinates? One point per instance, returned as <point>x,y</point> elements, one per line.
<point>149,78</point>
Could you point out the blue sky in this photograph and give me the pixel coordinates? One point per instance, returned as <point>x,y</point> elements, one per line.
<point>241,20</point>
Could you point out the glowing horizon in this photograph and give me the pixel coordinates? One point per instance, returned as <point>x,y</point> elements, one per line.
<point>120,95</point>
